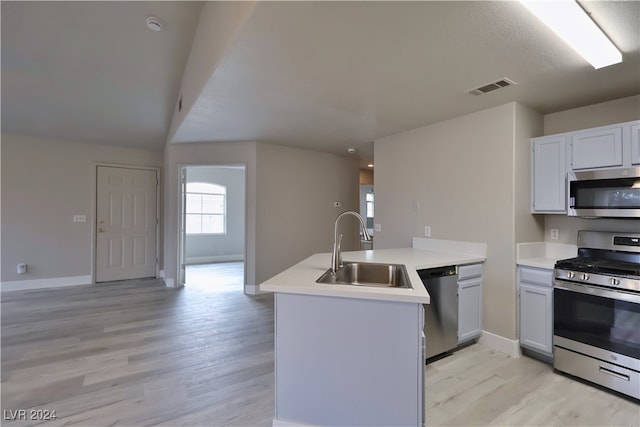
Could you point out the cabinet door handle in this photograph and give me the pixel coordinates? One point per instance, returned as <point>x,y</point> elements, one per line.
<point>614,374</point>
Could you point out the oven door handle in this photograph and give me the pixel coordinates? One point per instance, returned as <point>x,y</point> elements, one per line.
<point>597,291</point>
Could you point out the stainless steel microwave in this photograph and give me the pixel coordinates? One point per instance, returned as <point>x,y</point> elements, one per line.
<point>605,193</point>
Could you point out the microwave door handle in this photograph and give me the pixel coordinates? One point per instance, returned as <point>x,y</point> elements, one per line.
<point>596,291</point>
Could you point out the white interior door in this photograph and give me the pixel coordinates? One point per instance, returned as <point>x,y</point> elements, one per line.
<point>127,222</point>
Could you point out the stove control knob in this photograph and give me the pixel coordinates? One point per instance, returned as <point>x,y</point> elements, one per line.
<point>585,276</point>
<point>571,274</point>
<point>614,281</point>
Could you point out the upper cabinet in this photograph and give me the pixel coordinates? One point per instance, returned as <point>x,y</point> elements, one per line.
<point>596,148</point>
<point>548,165</point>
<point>635,144</point>
<point>552,156</point>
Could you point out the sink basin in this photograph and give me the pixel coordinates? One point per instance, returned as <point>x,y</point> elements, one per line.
<point>368,274</point>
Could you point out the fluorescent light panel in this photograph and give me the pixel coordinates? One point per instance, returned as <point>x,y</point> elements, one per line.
<point>572,24</point>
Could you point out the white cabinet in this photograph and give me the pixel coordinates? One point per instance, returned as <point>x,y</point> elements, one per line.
<point>597,148</point>
<point>469,302</point>
<point>635,144</point>
<point>536,309</point>
<point>549,171</point>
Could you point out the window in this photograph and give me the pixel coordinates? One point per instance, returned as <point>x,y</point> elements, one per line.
<point>206,208</point>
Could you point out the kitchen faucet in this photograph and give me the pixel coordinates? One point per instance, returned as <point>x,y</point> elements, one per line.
<point>336,257</point>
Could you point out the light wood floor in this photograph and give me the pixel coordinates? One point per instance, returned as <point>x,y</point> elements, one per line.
<point>218,277</point>
<point>136,353</point>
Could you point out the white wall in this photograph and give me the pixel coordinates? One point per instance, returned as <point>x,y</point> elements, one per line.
<point>44,183</point>
<point>203,248</point>
<point>295,193</point>
<point>463,174</point>
<point>606,113</point>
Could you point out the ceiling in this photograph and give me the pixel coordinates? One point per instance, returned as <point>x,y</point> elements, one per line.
<point>318,75</point>
<point>92,71</point>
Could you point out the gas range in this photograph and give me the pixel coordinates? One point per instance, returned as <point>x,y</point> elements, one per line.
<point>611,260</point>
<point>596,311</point>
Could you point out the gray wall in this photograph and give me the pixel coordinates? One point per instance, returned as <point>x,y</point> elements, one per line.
<point>290,194</point>
<point>226,247</point>
<point>606,113</point>
<point>44,183</point>
<point>295,193</point>
<point>178,155</point>
<point>471,179</point>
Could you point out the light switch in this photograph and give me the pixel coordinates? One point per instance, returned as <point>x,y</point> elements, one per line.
<point>79,218</point>
<point>377,228</point>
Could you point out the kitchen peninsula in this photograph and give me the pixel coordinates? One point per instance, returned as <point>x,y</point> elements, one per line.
<point>354,355</point>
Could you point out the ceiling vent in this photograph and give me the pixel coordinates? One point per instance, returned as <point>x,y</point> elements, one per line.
<point>489,87</point>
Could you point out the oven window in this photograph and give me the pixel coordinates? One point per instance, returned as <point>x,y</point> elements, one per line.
<point>598,321</point>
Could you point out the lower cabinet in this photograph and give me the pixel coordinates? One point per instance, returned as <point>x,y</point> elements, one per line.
<point>469,302</point>
<point>536,309</point>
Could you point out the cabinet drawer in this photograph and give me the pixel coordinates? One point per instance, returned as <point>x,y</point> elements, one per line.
<point>469,271</point>
<point>537,277</point>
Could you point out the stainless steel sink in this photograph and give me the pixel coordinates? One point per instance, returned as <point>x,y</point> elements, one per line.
<point>368,274</point>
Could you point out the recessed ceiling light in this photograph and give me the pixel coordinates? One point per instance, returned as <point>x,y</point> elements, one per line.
<point>351,150</point>
<point>370,165</point>
<point>572,24</point>
<point>154,23</point>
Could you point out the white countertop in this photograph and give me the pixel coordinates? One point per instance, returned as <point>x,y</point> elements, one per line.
<point>301,278</point>
<point>544,254</point>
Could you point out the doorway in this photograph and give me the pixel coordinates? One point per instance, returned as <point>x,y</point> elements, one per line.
<point>126,223</point>
<point>212,227</point>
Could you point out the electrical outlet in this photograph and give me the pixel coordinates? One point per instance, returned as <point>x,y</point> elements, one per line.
<point>21,268</point>
<point>377,228</point>
<point>427,231</point>
<point>555,234</point>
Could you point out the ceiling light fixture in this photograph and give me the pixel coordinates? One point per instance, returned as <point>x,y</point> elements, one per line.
<point>351,150</point>
<point>370,165</point>
<point>154,23</point>
<point>572,24</point>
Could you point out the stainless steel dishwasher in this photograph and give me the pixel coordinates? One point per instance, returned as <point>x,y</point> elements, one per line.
<point>441,315</point>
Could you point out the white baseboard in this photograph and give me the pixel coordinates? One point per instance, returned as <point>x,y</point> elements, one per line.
<point>55,282</point>
<point>253,290</point>
<point>502,344</point>
<point>213,258</point>
<point>168,281</point>
<point>279,422</point>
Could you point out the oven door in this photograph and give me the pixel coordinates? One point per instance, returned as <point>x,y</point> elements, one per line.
<point>606,193</point>
<point>598,317</point>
